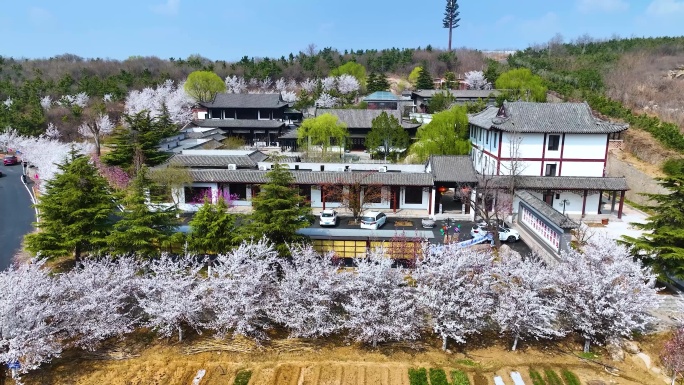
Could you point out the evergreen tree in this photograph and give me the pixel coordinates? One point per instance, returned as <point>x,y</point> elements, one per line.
<point>377,82</point>
<point>278,211</point>
<point>665,230</point>
<point>142,229</point>
<point>386,132</point>
<point>424,81</point>
<point>136,143</point>
<point>451,18</point>
<point>75,212</point>
<point>212,229</point>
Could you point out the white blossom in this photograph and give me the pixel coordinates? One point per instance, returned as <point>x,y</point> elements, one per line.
<point>241,289</point>
<point>291,85</point>
<point>381,305</point>
<point>172,295</point>
<point>604,291</point>
<point>253,85</point>
<point>46,102</point>
<point>52,132</point>
<point>107,98</point>
<point>289,96</point>
<point>266,85</point>
<point>526,300</point>
<point>280,85</point>
<point>308,294</point>
<point>326,101</point>
<point>8,102</point>
<point>347,84</point>
<point>309,85</point>
<point>81,99</point>
<point>235,84</point>
<point>455,288</point>
<point>165,98</point>
<point>477,81</point>
<point>328,84</point>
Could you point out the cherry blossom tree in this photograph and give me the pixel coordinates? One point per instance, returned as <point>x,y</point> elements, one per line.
<point>526,301</point>
<point>455,287</point>
<point>309,85</point>
<point>347,84</point>
<point>381,305</point>
<point>96,129</point>
<point>235,84</point>
<point>672,355</point>
<point>107,98</point>
<point>241,290</point>
<point>291,85</point>
<point>8,102</point>
<point>289,96</point>
<point>280,85</point>
<point>172,295</point>
<point>166,99</point>
<point>52,132</point>
<point>253,85</point>
<point>30,322</point>
<point>266,85</point>
<point>326,101</point>
<point>309,294</point>
<point>81,100</point>
<point>46,102</point>
<point>95,300</point>
<point>477,81</point>
<point>329,84</point>
<point>604,291</point>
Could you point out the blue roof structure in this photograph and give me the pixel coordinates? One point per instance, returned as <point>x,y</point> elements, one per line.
<point>381,95</point>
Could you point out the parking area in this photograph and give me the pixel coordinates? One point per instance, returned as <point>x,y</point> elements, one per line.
<point>398,225</point>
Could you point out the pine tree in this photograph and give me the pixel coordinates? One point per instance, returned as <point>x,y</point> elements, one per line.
<point>424,81</point>
<point>377,82</point>
<point>278,210</point>
<point>142,229</point>
<point>664,230</point>
<point>212,229</point>
<point>75,212</point>
<point>451,18</point>
<point>136,143</point>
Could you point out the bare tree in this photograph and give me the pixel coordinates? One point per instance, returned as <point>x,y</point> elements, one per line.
<point>357,195</point>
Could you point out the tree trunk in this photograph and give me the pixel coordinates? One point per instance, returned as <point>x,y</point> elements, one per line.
<point>375,343</point>
<point>77,252</point>
<point>444,342</point>
<point>515,343</point>
<point>587,343</point>
<point>180,334</point>
<point>451,28</point>
<point>97,145</point>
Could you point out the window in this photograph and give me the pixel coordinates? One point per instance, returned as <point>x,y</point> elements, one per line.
<point>372,194</point>
<point>554,141</point>
<point>215,113</point>
<point>487,137</point>
<point>264,114</point>
<point>413,195</point>
<point>333,193</point>
<point>494,138</point>
<point>550,170</point>
<point>197,194</point>
<point>238,190</point>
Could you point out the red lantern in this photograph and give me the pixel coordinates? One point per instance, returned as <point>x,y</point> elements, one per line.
<point>441,189</point>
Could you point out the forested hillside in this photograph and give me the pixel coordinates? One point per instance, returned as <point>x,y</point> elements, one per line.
<point>24,82</point>
<point>639,80</point>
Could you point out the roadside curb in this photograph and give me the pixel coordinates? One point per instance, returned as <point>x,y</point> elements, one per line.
<point>31,195</point>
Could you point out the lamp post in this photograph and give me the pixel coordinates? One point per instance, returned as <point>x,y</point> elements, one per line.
<point>565,202</point>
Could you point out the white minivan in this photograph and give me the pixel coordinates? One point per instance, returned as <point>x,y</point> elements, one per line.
<point>373,220</point>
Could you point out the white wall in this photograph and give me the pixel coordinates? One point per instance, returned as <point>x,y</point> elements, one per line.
<point>574,204</point>
<point>422,206</point>
<point>585,146</point>
<point>582,169</point>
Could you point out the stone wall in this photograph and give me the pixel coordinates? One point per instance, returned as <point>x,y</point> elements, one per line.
<point>637,180</point>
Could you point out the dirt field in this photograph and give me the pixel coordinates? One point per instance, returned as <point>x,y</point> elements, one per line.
<point>303,363</point>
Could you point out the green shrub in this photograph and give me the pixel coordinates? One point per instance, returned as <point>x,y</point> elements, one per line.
<point>459,378</point>
<point>537,378</point>
<point>418,376</point>
<point>243,377</point>
<point>552,378</point>
<point>673,167</point>
<point>466,362</point>
<point>570,378</point>
<point>438,377</point>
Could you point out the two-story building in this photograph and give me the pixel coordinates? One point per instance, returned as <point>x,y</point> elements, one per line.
<point>259,119</point>
<point>557,151</point>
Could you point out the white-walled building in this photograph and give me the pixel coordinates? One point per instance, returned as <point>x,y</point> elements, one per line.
<point>555,151</point>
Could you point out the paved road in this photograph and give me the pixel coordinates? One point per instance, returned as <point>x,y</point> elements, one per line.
<point>16,213</point>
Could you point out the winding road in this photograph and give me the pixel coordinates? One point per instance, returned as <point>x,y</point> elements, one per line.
<point>16,213</point>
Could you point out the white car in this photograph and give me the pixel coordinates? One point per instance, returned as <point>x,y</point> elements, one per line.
<point>328,218</point>
<point>373,220</point>
<point>506,234</point>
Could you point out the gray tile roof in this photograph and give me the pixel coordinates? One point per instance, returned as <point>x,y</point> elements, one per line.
<point>316,177</point>
<point>453,168</point>
<point>243,161</point>
<point>563,183</point>
<point>354,118</point>
<point>460,94</point>
<point>549,212</point>
<point>289,134</point>
<point>238,123</point>
<point>246,101</point>
<point>572,118</point>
